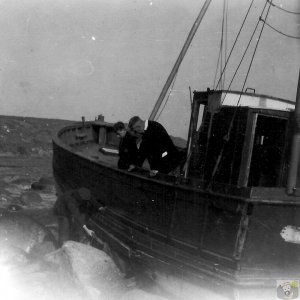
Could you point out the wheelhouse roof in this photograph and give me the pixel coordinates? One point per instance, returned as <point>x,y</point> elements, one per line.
<point>217,99</point>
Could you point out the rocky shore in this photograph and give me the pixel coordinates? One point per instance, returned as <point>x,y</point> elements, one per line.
<point>31,265</point>
<point>28,137</point>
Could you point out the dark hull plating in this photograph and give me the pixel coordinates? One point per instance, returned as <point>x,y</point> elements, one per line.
<point>228,234</point>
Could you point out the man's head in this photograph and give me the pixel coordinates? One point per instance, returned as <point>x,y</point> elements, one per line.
<point>120,129</point>
<point>84,193</point>
<point>136,126</point>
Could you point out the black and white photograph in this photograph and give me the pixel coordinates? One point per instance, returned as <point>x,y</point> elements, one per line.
<point>149,149</point>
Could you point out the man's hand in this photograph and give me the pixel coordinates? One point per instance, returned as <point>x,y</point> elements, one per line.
<point>88,231</point>
<point>131,168</point>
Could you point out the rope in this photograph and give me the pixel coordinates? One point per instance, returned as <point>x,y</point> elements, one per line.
<point>244,54</point>
<point>285,10</point>
<point>280,32</point>
<point>227,136</point>
<point>223,33</point>
<point>236,39</point>
<point>226,38</point>
<point>260,34</point>
<point>222,39</point>
<point>218,65</point>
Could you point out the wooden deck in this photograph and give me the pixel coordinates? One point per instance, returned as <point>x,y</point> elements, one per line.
<point>94,151</point>
<point>97,153</point>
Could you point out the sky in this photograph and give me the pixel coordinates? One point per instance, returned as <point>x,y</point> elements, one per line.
<point>71,58</point>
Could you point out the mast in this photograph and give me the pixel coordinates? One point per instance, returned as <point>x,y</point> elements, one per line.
<point>294,160</point>
<point>179,60</point>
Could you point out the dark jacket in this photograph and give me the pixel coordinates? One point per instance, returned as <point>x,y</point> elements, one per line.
<point>128,152</point>
<point>72,206</point>
<point>158,148</point>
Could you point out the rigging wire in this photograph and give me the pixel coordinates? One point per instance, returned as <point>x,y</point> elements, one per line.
<point>222,43</point>
<point>255,49</point>
<point>217,66</point>
<point>221,80</point>
<point>240,63</point>
<point>285,10</point>
<point>278,31</point>
<point>170,91</point>
<point>226,38</point>
<point>244,54</point>
<point>235,41</point>
<point>227,136</point>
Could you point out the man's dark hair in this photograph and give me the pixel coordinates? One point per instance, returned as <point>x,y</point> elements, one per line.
<point>118,126</point>
<point>133,120</point>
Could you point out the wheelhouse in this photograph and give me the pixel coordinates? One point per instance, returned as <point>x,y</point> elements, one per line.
<point>242,139</point>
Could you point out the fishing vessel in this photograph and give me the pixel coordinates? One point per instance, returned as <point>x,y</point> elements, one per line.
<point>226,224</point>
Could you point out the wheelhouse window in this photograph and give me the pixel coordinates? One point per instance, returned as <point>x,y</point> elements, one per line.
<point>220,140</point>
<point>242,146</point>
<point>268,151</point>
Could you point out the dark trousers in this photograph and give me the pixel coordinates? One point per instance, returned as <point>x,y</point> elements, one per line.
<point>170,162</point>
<point>70,229</point>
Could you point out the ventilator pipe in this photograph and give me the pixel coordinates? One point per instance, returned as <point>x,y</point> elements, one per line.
<point>295,149</point>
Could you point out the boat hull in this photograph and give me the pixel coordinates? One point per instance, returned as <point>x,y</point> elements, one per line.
<point>178,231</point>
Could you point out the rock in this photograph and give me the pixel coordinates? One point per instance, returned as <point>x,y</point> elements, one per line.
<point>37,186</point>
<point>14,207</point>
<point>12,255</point>
<point>138,294</point>
<point>54,230</point>
<point>22,182</point>
<point>13,190</point>
<point>95,268</point>
<point>92,270</point>
<point>11,203</point>
<point>28,280</point>
<point>47,180</point>
<point>35,281</point>
<point>21,231</point>
<point>60,261</point>
<point>30,197</point>
<point>10,179</point>
<point>44,184</point>
<point>41,249</point>
<point>5,198</point>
